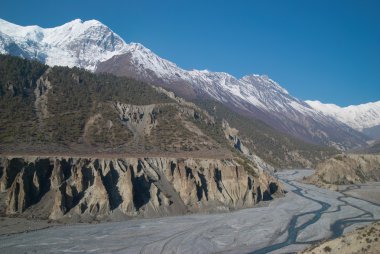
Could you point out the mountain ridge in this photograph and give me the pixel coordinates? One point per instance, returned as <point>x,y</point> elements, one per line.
<point>95,47</point>
<point>360,117</point>
<point>254,95</point>
<point>62,45</point>
<point>70,111</point>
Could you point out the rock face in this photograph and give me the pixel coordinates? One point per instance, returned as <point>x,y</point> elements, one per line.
<point>139,118</point>
<point>231,134</point>
<point>347,169</point>
<point>43,86</point>
<point>85,189</point>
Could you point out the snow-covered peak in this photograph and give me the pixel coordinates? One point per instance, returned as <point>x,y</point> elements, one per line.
<point>202,71</point>
<point>73,29</point>
<point>139,46</point>
<point>20,32</point>
<point>264,82</point>
<point>326,106</point>
<point>73,22</point>
<point>76,43</point>
<point>91,22</point>
<point>145,59</point>
<point>358,117</point>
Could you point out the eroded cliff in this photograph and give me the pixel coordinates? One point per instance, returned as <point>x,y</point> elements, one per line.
<point>85,189</point>
<point>346,169</point>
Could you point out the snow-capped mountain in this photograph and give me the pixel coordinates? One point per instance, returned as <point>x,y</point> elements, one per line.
<point>94,46</point>
<point>76,43</point>
<point>363,117</point>
<point>254,95</point>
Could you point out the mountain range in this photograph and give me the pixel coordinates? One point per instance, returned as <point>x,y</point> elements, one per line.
<point>364,117</point>
<point>95,47</point>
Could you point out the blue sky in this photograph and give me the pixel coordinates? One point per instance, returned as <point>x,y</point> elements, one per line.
<point>320,50</point>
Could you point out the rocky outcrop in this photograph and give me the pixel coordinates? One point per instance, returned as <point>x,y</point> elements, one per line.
<point>189,108</point>
<point>232,135</point>
<point>140,119</point>
<point>84,189</point>
<point>346,169</point>
<point>43,86</point>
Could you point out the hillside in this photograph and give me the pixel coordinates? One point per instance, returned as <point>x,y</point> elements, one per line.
<point>60,110</point>
<point>346,169</point>
<point>363,240</point>
<point>373,148</point>
<point>279,149</point>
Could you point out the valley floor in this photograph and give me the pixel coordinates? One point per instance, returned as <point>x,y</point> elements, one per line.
<point>306,215</point>
<point>10,226</point>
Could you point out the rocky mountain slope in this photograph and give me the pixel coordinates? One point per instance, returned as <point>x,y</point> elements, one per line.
<point>360,241</point>
<point>347,169</point>
<point>92,45</point>
<point>282,151</point>
<point>85,189</point>
<point>364,118</point>
<point>59,110</point>
<point>255,96</point>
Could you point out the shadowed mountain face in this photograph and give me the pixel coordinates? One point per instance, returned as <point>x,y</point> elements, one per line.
<point>373,132</point>
<point>93,46</point>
